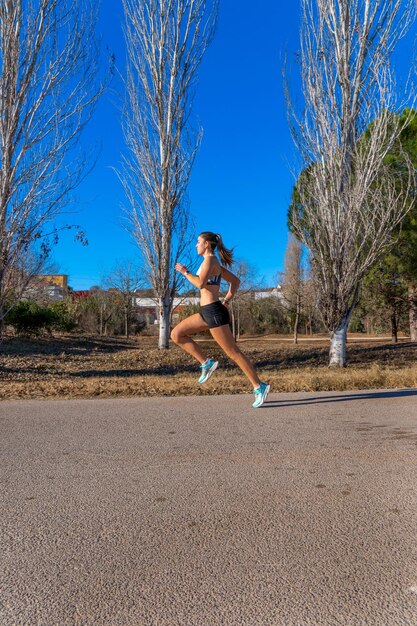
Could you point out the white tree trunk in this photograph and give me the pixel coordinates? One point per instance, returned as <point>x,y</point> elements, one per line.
<point>337,355</point>
<point>101,321</point>
<point>297,318</point>
<point>394,328</point>
<point>126,323</point>
<point>2,324</point>
<point>233,319</point>
<point>412,311</point>
<point>164,322</point>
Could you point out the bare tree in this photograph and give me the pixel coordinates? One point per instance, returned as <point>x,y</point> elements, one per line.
<point>97,312</point>
<point>166,41</point>
<point>125,280</point>
<point>294,282</point>
<point>18,277</point>
<point>384,292</point>
<point>48,89</point>
<point>312,314</point>
<point>249,281</point>
<point>347,200</point>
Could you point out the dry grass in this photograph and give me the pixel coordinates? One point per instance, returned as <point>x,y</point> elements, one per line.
<point>79,367</point>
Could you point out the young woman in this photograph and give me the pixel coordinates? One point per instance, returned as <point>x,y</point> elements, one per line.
<point>213,314</point>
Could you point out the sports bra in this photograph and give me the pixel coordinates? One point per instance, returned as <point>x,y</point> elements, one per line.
<point>213,280</point>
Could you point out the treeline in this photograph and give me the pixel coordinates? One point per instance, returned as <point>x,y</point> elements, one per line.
<point>385,302</point>
<point>383,309</point>
<point>276,315</point>
<point>102,313</point>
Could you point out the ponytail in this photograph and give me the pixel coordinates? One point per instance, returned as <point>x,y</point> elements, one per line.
<point>226,255</point>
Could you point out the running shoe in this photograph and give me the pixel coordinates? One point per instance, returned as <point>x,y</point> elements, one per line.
<point>207,370</point>
<point>261,394</point>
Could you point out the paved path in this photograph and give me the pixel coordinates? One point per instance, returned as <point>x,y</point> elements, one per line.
<point>204,512</point>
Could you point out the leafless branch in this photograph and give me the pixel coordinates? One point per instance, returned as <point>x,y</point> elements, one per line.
<point>166,41</point>
<point>348,200</point>
<point>48,90</point>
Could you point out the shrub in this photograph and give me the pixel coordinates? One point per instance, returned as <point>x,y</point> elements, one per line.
<point>189,309</point>
<point>262,316</point>
<point>29,318</point>
<point>62,317</point>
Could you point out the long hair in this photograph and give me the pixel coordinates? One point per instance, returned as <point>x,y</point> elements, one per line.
<point>226,255</point>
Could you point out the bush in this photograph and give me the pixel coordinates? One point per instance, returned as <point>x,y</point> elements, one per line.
<point>28,318</point>
<point>138,327</point>
<point>356,325</point>
<point>189,309</point>
<point>62,317</point>
<point>262,316</point>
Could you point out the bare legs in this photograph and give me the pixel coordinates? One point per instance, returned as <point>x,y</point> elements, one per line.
<point>222,335</point>
<point>179,335</point>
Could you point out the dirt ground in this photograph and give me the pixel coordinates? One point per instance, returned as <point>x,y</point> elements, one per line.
<point>76,367</point>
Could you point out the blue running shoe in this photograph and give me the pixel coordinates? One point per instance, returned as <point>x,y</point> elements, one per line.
<point>207,370</point>
<point>261,394</point>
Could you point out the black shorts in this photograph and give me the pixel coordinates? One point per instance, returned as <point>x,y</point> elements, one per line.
<point>215,314</point>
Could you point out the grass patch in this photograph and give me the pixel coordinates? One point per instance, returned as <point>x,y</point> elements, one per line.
<point>80,367</point>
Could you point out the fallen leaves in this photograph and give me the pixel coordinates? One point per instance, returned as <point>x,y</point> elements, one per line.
<point>80,367</point>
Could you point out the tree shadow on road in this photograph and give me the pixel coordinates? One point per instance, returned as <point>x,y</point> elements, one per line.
<point>362,395</point>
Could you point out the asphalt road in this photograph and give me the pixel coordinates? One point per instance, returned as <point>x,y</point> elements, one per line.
<point>204,512</point>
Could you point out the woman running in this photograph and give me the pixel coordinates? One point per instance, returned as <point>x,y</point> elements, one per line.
<point>213,314</point>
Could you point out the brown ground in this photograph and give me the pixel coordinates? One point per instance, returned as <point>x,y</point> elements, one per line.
<point>72,366</point>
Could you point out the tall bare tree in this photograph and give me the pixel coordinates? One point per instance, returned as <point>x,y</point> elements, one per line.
<point>348,201</point>
<point>125,280</point>
<point>249,281</point>
<point>166,41</point>
<point>294,282</point>
<point>17,278</point>
<point>48,89</point>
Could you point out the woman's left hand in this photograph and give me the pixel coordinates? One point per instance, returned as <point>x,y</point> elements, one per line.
<point>181,268</point>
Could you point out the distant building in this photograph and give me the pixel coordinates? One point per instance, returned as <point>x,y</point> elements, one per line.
<point>46,287</point>
<point>79,294</point>
<point>147,307</point>
<point>270,292</point>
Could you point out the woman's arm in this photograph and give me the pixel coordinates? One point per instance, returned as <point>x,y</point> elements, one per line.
<point>233,281</point>
<point>205,273</point>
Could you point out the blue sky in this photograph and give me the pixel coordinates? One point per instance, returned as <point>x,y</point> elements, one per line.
<point>242,179</point>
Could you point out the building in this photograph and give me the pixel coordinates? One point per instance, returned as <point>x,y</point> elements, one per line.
<point>147,307</point>
<point>80,294</point>
<point>274,292</point>
<point>47,287</point>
